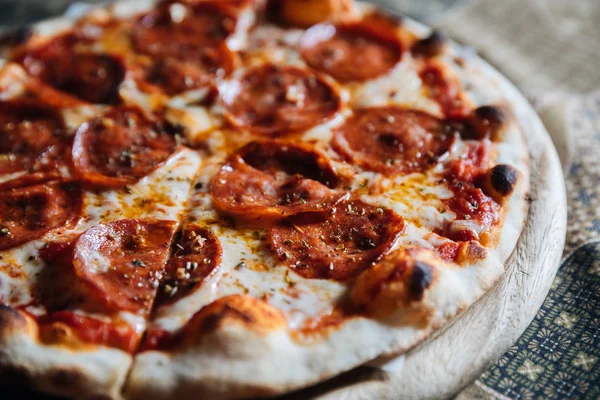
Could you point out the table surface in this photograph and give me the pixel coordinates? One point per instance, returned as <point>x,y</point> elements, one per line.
<point>558,356</point>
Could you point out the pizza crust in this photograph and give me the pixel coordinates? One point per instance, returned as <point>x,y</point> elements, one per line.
<point>82,373</point>
<point>234,361</point>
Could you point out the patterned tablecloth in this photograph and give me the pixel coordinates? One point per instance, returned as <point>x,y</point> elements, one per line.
<point>551,50</point>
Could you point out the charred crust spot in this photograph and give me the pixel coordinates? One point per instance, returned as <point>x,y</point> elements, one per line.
<point>433,45</point>
<point>492,114</point>
<point>503,179</point>
<point>485,122</point>
<point>15,37</point>
<point>420,279</point>
<point>64,379</point>
<point>489,121</point>
<point>397,283</point>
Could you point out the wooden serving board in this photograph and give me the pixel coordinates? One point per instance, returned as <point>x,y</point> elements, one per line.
<point>457,355</point>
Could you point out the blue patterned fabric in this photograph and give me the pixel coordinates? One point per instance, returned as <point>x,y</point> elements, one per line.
<point>557,356</point>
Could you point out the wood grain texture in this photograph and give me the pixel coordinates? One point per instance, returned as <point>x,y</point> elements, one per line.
<point>446,362</point>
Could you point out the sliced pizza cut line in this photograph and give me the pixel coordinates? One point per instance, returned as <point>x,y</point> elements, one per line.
<point>89,370</point>
<point>416,299</point>
<point>245,265</point>
<point>67,328</point>
<point>120,264</point>
<point>196,254</point>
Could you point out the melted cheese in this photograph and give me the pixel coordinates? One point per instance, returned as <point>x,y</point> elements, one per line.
<point>401,86</point>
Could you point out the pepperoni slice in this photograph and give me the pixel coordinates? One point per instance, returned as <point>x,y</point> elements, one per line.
<point>267,181</point>
<point>350,52</point>
<point>28,213</point>
<point>271,99</point>
<point>183,31</point>
<point>32,137</point>
<point>339,245</point>
<point>188,41</point>
<point>120,263</point>
<point>31,179</point>
<point>174,76</point>
<point>91,77</point>
<point>196,254</point>
<point>393,140</point>
<point>120,148</point>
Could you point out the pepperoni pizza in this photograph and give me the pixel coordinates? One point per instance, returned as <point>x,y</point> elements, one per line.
<point>240,198</point>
